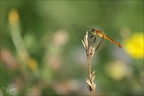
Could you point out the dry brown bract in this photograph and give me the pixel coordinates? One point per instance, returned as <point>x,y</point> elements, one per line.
<point>90,50</point>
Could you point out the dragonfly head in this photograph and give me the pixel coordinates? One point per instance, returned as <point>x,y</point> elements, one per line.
<point>93,32</point>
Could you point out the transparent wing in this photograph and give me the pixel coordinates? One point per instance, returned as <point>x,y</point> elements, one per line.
<point>80,30</point>
<point>100,43</point>
<point>95,41</point>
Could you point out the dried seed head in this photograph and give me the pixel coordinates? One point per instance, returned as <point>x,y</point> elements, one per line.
<point>91,51</point>
<point>86,39</point>
<point>83,44</point>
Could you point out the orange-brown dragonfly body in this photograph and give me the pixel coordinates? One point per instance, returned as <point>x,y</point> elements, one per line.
<point>101,34</point>
<point>95,35</point>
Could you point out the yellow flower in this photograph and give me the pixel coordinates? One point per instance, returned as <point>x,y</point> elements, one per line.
<point>32,64</point>
<point>13,16</point>
<point>133,45</point>
<point>117,70</point>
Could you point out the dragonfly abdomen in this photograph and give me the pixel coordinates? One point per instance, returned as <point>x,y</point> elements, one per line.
<point>114,42</point>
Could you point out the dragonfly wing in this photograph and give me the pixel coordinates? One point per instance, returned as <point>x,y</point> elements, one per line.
<point>80,30</point>
<point>100,43</point>
<point>75,27</point>
<point>96,41</point>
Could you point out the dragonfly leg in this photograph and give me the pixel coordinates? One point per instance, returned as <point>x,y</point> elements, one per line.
<point>93,42</point>
<point>94,39</point>
<point>90,35</point>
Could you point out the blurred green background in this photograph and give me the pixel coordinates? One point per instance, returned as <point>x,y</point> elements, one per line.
<point>42,56</point>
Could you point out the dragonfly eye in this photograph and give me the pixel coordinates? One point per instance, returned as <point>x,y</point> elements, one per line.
<point>93,30</point>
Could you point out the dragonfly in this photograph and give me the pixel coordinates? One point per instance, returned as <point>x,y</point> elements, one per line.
<point>95,36</point>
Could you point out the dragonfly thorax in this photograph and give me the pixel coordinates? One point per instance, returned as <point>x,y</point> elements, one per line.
<point>99,33</point>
